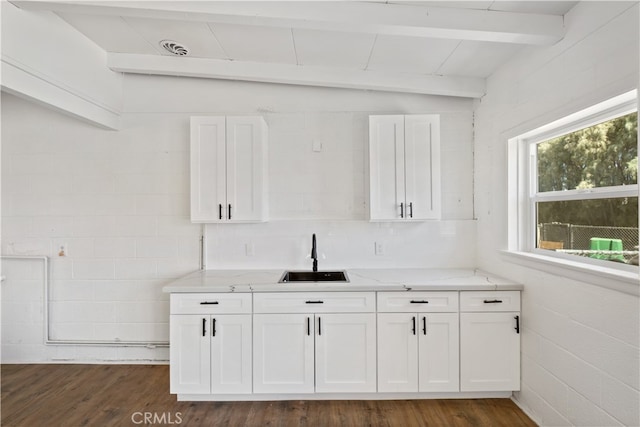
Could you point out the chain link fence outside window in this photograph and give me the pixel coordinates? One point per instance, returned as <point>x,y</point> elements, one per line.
<point>577,238</point>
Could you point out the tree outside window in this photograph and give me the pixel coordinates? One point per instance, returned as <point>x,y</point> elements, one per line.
<point>585,196</point>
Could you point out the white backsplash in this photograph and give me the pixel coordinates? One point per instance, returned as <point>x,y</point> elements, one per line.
<point>341,244</point>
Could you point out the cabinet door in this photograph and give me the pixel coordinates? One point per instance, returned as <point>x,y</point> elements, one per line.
<point>422,163</point>
<point>208,168</point>
<point>189,354</point>
<point>397,352</point>
<point>283,353</point>
<point>489,352</point>
<point>246,167</point>
<point>386,167</point>
<point>438,352</point>
<point>231,353</point>
<point>346,352</point>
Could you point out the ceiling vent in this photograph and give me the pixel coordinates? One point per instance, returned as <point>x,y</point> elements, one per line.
<point>174,47</point>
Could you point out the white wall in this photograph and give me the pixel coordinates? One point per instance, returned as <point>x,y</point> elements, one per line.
<point>118,204</point>
<point>325,192</point>
<point>580,343</point>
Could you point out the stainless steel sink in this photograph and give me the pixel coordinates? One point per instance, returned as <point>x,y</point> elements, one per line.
<point>314,276</point>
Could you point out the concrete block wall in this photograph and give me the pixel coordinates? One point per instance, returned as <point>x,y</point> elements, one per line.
<point>580,342</point>
<point>117,204</point>
<point>110,209</point>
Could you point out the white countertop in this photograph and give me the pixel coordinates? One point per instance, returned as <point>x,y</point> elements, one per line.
<point>395,279</point>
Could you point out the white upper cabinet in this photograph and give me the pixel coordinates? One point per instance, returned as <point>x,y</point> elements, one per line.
<point>208,167</point>
<point>228,169</point>
<point>404,167</point>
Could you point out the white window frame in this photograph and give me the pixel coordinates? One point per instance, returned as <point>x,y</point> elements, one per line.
<point>523,197</point>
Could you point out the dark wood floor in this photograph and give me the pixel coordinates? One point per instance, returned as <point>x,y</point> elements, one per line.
<point>120,395</point>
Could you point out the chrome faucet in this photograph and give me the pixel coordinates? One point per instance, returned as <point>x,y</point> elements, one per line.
<point>314,252</point>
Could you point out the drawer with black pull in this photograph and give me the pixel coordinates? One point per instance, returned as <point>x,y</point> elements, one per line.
<point>314,302</point>
<point>479,301</point>
<point>211,303</point>
<point>411,302</point>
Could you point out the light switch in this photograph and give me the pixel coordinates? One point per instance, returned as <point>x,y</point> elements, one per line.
<point>316,146</point>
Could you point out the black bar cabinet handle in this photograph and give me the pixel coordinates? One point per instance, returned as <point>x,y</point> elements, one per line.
<point>410,209</point>
<point>220,210</point>
<point>308,326</point>
<point>517,328</point>
<point>401,210</point>
<point>229,210</point>
<point>208,302</point>
<point>204,327</point>
<point>413,328</point>
<point>422,301</point>
<point>424,325</point>
<point>493,301</point>
<point>319,326</point>
<point>213,327</point>
<point>314,302</point>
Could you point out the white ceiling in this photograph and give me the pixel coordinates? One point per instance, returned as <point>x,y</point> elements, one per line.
<point>431,47</point>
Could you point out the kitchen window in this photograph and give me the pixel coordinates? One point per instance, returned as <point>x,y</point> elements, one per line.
<point>574,188</point>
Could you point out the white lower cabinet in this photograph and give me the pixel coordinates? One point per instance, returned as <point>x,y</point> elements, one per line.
<point>490,341</point>
<point>283,360</point>
<point>190,354</point>
<point>418,351</point>
<point>307,353</point>
<point>416,358</point>
<point>346,352</point>
<point>231,354</point>
<point>438,352</point>
<point>327,349</point>
<point>210,353</point>
<point>297,343</point>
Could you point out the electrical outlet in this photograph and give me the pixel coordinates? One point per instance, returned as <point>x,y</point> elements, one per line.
<point>379,248</point>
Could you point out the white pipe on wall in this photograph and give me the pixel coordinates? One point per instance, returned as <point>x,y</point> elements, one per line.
<point>203,248</point>
<point>48,340</point>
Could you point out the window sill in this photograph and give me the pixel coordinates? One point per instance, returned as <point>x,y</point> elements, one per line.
<point>610,278</point>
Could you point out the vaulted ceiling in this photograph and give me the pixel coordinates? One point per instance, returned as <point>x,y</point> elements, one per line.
<point>430,47</point>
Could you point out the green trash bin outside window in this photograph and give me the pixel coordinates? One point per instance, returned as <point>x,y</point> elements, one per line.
<point>603,244</point>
